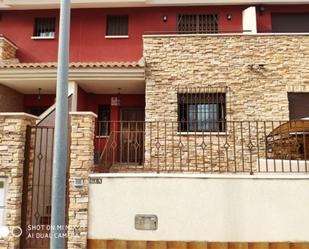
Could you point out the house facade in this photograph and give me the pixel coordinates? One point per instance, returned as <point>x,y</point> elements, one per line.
<point>203,95</point>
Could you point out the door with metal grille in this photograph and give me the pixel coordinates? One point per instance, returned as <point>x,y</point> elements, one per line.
<point>132,136</point>
<point>37,188</point>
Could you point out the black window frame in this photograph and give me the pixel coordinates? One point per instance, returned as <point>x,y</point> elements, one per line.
<point>104,115</point>
<point>44,27</point>
<point>117,25</point>
<point>201,112</point>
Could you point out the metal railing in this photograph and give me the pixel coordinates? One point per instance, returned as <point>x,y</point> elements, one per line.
<point>196,32</point>
<point>243,147</point>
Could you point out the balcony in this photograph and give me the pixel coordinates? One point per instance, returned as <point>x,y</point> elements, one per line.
<point>244,147</point>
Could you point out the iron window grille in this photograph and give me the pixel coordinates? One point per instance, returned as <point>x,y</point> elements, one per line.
<point>117,26</point>
<point>103,120</point>
<point>45,27</point>
<point>202,110</point>
<point>197,23</point>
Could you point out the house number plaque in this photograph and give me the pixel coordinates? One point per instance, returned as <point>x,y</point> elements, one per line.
<point>95,180</point>
<point>146,222</point>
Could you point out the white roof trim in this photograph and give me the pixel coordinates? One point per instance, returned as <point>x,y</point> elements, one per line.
<point>17,114</point>
<point>75,74</point>
<point>49,4</point>
<point>83,114</point>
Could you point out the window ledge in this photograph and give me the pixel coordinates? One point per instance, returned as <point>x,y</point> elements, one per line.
<point>42,37</point>
<point>116,36</point>
<point>206,133</point>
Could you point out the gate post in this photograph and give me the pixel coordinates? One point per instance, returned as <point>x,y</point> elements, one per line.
<point>13,128</point>
<point>81,160</point>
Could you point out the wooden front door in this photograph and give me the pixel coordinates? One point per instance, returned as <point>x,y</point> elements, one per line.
<point>132,136</point>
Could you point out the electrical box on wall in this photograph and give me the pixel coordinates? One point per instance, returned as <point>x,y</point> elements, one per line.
<point>146,222</point>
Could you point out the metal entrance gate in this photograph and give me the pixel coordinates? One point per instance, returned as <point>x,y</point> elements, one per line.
<point>36,204</point>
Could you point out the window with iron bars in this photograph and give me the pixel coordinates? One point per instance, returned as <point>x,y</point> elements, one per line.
<point>45,27</point>
<point>117,26</point>
<point>103,120</point>
<point>202,110</point>
<point>197,23</point>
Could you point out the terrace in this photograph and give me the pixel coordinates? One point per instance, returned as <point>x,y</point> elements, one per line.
<point>243,147</point>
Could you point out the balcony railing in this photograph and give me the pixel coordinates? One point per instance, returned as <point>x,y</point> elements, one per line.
<point>243,147</point>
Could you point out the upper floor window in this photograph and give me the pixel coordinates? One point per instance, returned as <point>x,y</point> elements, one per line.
<point>290,22</point>
<point>202,111</point>
<point>103,120</point>
<point>117,26</point>
<point>197,23</point>
<point>45,27</point>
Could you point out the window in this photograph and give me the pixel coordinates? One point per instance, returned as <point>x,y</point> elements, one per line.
<point>298,105</point>
<point>198,112</point>
<point>117,26</point>
<point>290,22</point>
<point>103,120</point>
<point>45,27</point>
<point>203,24</point>
<point>2,202</point>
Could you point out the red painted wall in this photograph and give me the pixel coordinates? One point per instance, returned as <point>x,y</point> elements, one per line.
<point>88,42</point>
<point>32,101</point>
<point>88,28</point>
<point>264,20</point>
<point>90,102</point>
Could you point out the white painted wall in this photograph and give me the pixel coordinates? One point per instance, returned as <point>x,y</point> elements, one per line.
<point>201,207</point>
<point>249,20</point>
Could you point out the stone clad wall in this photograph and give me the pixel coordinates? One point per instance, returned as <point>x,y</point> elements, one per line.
<point>259,71</point>
<point>12,149</point>
<point>7,52</point>
<point>81,157</point>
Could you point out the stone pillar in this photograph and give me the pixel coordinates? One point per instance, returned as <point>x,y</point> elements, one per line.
<point>12,148</point>
<point>81,156</point>
<point>7,51</point>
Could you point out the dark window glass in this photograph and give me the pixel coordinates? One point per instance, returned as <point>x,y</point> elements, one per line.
<point>37,111</point>
<point>103,120</point>
<point>201,112</point>
<point>45,27</point>
<point>203,24</point>
<point>290,22</point>
<point>298,105</point>
<point>117,25</point>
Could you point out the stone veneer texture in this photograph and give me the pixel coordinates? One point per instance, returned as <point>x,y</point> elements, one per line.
<point>12,148</point>
<point>81,156</point>
<point>255,93</point>
<point>7,52</point>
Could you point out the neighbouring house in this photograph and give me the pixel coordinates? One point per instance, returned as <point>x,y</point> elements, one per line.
<point>189,123</point>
